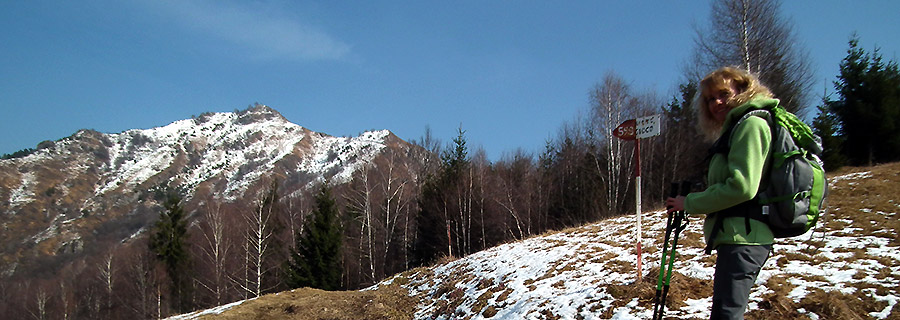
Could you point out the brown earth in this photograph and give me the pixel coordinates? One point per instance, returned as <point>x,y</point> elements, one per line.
<point>388,303</point>
<point>857,201</point>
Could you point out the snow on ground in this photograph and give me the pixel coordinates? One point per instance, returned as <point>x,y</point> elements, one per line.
<point>561,274</point>
<point>570,275</point>
<point>586,273</point>
<point>344,155</point>
<point>212,311</point>
<point>24,193</point>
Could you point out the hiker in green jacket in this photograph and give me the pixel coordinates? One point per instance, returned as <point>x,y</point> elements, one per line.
<point>734,178</point>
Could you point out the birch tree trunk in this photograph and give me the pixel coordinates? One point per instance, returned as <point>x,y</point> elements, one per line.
<point>611,100</point>
<point>215,249</point>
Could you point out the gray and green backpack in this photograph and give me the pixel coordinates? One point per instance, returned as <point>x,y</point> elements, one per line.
<point>794,189</point>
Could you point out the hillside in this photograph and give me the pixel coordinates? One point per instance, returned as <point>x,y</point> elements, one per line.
<point>84,195</point>
<point>848,267</point>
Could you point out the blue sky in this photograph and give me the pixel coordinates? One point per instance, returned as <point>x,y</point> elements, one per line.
<point>509,72</point>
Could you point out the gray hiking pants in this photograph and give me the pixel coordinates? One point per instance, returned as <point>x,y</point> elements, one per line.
<point>736,269</point>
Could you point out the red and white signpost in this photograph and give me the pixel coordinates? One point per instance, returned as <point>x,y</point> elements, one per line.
<point>637,129</point>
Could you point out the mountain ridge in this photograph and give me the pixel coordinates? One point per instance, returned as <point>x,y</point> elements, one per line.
<point>95,185</point>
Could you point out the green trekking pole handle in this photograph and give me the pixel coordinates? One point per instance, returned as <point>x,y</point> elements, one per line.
<point>659,301</point>
<point>678,226</point>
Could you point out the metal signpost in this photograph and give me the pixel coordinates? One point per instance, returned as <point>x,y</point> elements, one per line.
<point>637,129</point>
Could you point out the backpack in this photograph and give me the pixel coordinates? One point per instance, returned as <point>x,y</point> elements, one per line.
<point>795,188</point>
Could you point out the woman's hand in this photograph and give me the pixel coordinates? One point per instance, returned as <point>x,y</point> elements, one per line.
<point>675,204</point>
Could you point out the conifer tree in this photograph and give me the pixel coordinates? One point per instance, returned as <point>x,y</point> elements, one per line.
<point>167,242</point>
<point>681,139</point>
<point>431,241</point>
<point>444,224</point>
<point>456,160</point>
<point>316,260</point>
<point>827,126</point>
<point>869,106</point>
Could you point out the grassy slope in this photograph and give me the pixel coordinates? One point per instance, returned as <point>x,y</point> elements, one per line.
<point>861,222</point>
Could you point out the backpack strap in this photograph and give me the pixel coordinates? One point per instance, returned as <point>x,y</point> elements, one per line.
<point>723,143</point>
<point>750,209</point>
<point>762,113</point>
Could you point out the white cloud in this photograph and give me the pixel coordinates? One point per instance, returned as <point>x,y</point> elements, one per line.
<point>266,32</point>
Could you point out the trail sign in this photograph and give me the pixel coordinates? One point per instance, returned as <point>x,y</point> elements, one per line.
<point>626,130</point>
<point>647,127</point>
<point>637,129</point>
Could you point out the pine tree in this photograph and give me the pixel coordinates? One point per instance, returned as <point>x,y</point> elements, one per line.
<point>869,106</point>
<point>456,160</point>
<point>681,137</point>
<point>431,241</point>
<point>316,260</point>
<point>827,126</point>
<point>168,243</point>
<point>444,224</point>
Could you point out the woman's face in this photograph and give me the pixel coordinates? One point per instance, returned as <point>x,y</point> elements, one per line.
<point>718,97</point>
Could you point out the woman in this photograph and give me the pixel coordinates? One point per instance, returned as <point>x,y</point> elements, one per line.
<point>734,178</point>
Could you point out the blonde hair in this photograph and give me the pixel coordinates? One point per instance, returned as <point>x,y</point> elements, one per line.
<point>748,88</point>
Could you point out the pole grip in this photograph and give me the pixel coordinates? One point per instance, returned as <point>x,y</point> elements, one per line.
<point>673,192</point>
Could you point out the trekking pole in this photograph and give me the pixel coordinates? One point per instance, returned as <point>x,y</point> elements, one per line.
<point>657,302</point>
<point>678,223</point>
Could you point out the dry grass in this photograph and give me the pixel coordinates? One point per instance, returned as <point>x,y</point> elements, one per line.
<point>855,207</point>
<point>387,303</point>
<point>868,205</point>
<point>862,203</point>
<point>681,288</point>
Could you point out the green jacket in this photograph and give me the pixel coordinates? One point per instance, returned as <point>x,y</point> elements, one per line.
<point>736,178</point>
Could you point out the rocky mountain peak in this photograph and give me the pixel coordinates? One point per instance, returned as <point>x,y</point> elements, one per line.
<point>91,186</point>
<point>259,112</point>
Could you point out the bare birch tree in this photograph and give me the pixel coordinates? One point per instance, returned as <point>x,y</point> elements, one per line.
<point>66,299</point>
<point>144,282</point>
<point>215,249</point>
<point>611,104</point>
<point>516,192</point>
<point>395,183</point>
<point>753,35</point>
<point>39,311</point>
<point>297,210</point>
<point>257,240</point>
<point>479,171</point>
<point>360,201</point>
<point>105,276</point>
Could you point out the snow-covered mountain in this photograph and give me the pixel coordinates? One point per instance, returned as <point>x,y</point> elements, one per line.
<point>91,185</point>
<point>848,267</point>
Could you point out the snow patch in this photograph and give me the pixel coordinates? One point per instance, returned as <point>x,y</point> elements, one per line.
<point>565,274</point>
<point>229,146</point>
<point>213,311</point>
<point>851,176</point>
<point>24,193</point>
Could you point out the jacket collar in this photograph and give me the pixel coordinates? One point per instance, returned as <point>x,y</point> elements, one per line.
<point>755,104</point>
